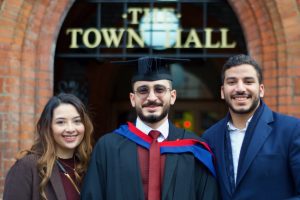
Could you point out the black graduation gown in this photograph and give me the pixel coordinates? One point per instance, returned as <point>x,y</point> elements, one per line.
<point>114,172</point>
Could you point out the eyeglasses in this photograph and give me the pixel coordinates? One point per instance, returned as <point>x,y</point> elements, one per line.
<point>144,91</point>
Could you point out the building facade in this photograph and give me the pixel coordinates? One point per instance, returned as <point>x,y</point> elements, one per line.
<point>29,31</point>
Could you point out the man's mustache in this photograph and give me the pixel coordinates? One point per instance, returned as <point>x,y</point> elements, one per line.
<point>152,103</point>
<point>241,94</point>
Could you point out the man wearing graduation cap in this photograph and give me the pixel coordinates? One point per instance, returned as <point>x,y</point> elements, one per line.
<point>151,159</point>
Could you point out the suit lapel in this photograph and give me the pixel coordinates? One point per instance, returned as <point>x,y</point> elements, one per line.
<point>220,155</point>
<point>171,160</point>
<point>57,183</point>
<point>260,134</point>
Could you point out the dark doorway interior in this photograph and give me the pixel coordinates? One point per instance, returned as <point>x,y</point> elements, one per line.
<point>104,87</point>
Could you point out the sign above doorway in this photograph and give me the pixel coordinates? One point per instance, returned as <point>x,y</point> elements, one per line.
<point>131,29</point>
<point>159,28</point>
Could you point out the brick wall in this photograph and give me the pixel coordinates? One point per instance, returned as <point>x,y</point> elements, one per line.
<point>272,32</point>
<point>28,31</point>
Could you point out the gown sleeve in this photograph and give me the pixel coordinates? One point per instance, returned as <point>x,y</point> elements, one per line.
<point>94,181</point>
<point>207,187</point>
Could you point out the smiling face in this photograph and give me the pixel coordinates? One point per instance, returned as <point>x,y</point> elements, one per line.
<point>68,130</point>
<point>152,100</point>
<point>241,89</point>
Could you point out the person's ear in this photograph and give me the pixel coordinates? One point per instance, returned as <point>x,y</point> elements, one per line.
<point>222,92</point>
<point>261,90</point>
<point>173,97</point>
<point>132,99</point>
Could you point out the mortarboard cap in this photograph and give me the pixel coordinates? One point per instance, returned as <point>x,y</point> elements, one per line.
<point>152,68</point>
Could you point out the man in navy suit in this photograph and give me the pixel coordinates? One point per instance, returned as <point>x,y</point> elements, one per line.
<point>257,150</point>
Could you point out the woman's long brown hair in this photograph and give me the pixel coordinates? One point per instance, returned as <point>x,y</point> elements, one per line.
<point>44,144</point>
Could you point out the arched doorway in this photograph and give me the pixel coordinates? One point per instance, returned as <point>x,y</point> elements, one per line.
<point>96,32</point>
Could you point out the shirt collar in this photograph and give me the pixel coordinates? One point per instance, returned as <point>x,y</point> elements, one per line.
<point>163,129</point>
<point>231,127</point>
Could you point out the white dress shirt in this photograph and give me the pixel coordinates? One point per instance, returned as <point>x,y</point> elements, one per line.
<point>236,139</point>
<point>163,129</point>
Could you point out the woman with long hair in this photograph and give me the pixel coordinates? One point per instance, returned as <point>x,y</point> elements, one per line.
<point>55,165</point>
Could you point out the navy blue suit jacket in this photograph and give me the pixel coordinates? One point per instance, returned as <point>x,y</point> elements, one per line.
<point>271,167</point>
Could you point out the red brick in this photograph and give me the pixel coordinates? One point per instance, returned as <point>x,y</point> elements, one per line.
<point>296,99</point>
<point>283,109</point>
<point>12,136</point>
<point>1,85</point>
<point>270,101</point>
<point>270,82</point>
<point>296,86</point>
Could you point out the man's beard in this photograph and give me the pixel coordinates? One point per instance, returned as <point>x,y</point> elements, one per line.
<point>249,110</point>
<point>153,118</point>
